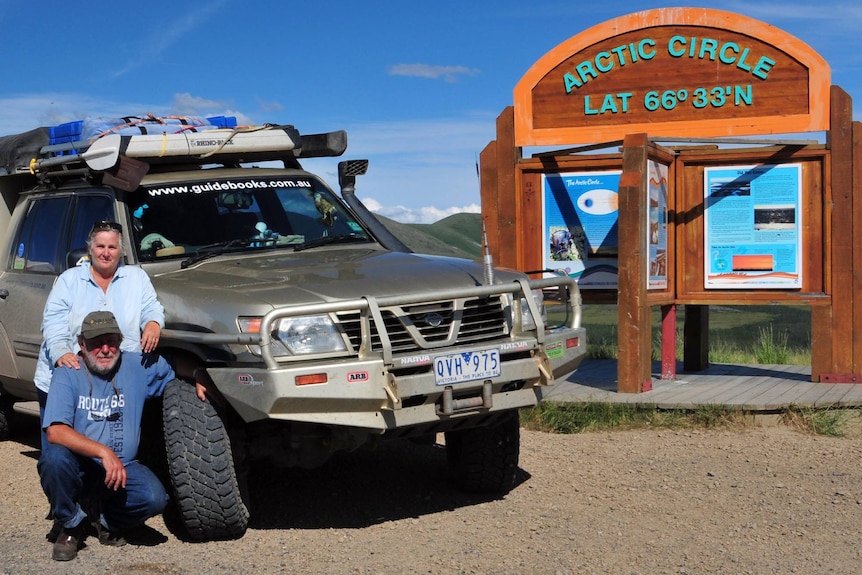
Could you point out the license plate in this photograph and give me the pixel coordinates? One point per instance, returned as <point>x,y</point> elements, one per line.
<point>467,366</point>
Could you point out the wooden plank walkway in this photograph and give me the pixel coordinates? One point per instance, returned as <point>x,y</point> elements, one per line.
<point>755,388</point>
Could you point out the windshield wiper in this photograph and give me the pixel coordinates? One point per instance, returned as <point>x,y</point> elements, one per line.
<point>212,250</point>
<point>330,240</point>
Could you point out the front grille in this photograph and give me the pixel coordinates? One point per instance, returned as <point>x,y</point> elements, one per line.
<point>430,325</point>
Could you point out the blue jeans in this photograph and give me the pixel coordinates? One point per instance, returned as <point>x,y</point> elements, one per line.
<point>66,477</point>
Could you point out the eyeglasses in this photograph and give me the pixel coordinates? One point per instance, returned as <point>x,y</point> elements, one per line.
<point>106,226</point>
<point>100,341</point>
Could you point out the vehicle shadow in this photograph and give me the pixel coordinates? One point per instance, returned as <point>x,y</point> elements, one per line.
<point>396,480</point>
<point>25,431</point>
<point>392,480</point>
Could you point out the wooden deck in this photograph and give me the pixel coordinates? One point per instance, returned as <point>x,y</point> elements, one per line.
<point>756,388</point>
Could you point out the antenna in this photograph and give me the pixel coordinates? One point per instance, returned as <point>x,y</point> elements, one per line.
<point>488,261</point>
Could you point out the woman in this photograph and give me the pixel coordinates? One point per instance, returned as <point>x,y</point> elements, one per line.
<point>99,283</point>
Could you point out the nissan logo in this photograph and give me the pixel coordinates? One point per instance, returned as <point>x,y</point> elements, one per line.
<point>434,319</point>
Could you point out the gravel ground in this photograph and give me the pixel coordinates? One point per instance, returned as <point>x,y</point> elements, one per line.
<point>761,500</point>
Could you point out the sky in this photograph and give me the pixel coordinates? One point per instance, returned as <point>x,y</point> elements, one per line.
<point>417,85</point>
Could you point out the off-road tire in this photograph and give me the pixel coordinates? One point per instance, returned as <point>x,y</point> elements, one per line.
<point>485,459</point>
<point>201,467</point>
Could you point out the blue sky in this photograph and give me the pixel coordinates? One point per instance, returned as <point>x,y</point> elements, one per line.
<point>417,85</point>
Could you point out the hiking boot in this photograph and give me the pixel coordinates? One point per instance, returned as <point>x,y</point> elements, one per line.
<point>67,544</point>
<point>107,537</point>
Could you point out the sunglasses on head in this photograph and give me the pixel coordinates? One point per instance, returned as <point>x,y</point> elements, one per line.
<point>106,226</point>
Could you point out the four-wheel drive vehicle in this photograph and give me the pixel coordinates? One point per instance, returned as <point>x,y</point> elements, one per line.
<point>315,329</point>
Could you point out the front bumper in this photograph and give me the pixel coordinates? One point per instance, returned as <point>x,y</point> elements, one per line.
<point>367,394</point>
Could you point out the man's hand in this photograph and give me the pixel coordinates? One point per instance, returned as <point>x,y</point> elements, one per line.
<point>115,471</point>
<point>201,390</point>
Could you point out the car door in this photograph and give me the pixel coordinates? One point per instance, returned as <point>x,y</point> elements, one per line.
<point>51,227</point>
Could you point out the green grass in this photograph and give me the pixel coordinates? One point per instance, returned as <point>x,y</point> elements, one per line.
<point>568,418</point>
<point>778,334</point>
<point>557,417</point>
<point>831,422</point>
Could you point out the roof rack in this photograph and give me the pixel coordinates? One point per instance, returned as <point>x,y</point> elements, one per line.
<point>152,142</point>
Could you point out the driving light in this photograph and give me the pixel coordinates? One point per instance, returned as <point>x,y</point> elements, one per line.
<point>306,335</point>
<point>528,323</point>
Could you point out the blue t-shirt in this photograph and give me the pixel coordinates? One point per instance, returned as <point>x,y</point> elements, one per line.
<point>91,405</point>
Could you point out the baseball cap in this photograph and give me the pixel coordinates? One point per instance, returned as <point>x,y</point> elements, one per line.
<point>99,323</point>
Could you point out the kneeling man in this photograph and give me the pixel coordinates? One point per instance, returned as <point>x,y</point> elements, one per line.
<point>94,415</point>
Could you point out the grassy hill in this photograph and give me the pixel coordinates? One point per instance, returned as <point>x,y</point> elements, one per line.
<point>459,235</point>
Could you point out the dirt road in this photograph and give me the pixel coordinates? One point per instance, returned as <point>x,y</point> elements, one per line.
<point>768,500</point>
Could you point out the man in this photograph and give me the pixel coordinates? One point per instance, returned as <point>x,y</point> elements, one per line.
<point>94,415</point>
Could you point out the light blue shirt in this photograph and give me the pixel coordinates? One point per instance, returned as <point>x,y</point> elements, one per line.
<point>130,297</point>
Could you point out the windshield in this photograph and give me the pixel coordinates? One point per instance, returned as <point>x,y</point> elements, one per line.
<point>212,216</point>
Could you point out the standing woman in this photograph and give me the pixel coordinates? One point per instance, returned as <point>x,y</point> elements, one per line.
<point>99,284</point>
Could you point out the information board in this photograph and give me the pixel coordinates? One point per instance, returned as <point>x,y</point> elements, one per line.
<point>753,226</point>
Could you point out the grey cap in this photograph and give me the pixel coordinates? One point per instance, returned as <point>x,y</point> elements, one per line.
<point>99,323</point>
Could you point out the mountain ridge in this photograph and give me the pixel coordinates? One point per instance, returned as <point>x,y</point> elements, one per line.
<point>458,235</point>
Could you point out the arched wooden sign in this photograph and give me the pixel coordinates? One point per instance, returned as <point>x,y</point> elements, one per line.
<point>673,72</point>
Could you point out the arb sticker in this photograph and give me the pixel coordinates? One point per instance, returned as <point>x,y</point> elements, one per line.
<point>247,379</point>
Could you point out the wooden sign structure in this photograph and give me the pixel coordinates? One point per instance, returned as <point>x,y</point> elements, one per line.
<point>761,222</point>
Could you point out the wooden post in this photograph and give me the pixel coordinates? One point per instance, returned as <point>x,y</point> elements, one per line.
<point>488,194</point>
<point>695,333</point>
<point>507,194</point>
<point>668,341</point>
<point>634,361</point>
<point>840,243</point>
<point>856,240</point>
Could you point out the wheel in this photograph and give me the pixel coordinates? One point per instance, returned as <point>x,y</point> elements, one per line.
<point>201,466</point>
<point>485,459</point>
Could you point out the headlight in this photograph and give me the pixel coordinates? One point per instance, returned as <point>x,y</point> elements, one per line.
<point>306,335</point>
<point>527,321</point>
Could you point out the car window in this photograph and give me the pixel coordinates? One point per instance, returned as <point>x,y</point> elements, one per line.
<point>89,209</point>
<point>252,212</point>
<point>38,245</point>
<point>45,238</point>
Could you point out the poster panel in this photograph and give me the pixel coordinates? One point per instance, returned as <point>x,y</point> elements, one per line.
<point>657,225</point>
<point>753,227</point>
<point>580,212</point>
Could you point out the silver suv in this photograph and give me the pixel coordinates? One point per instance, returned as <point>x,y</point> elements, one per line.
<point>319,330</point>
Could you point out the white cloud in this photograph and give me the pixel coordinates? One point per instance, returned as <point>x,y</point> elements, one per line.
<point>448,73</point>
<point>421,215</point>
<point>189,105</point>
<point>418,170</point>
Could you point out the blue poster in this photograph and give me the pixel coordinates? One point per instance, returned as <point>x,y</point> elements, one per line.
<point>580,230</point>
<point>753,225</point>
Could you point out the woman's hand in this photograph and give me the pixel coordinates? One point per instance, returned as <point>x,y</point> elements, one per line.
<point>150,336</point>
<point>68,360</point>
